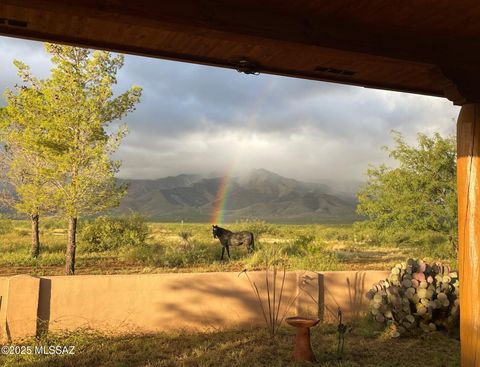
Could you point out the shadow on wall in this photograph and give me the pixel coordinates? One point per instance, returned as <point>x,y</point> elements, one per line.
<point>43,320</point>
<point>222,301</point>
<point>159,302</point>
<point>346,290</point>
<point>193,302</point>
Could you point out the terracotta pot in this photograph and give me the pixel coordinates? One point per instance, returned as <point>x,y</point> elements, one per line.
<point>302,350</point>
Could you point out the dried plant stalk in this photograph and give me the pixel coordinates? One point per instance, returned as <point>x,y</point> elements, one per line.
<point>275,318</point>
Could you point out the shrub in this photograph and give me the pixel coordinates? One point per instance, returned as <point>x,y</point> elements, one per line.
<point>109,233</point>
<point>427,240</point>
<point>52,223</point>
<point>304,239</point>
<point>257,227</point>
<point>189,255</point>
<point>146,254</point>
<point>185,236</point>
<point>6,226</point>
<point>312,256</point>
<point>416,296</point>
<point>22,232</point>
<point>173,255</point>
<point>337,233</point>
<point>319,260</point>
<point>292,248</point>
<point>297,247</point>
<point>266,255</point>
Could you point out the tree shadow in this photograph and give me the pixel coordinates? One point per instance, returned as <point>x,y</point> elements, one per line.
<point>216,301</point>
<point>352,300</point>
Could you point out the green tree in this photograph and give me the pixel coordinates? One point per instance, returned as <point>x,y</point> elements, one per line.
<point>25,172</point>
<point>419,194</point>
<point>81,105</point>
<point>69,133</point>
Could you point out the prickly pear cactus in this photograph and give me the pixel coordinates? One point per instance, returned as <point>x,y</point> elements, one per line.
<point>416,296</point>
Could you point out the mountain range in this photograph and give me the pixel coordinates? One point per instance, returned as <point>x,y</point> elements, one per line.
<point>258,194</point>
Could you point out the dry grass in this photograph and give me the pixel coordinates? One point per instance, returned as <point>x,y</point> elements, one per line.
<point>249,347</point>
<point>308,247</point>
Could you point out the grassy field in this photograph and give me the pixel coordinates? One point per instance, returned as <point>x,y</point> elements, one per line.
<point>173,247</point>
<point>190,247</point>
<point>248,347</point>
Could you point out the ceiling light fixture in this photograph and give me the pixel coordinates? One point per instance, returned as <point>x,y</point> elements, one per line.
<point>329,70</point>
<point>243,65</point>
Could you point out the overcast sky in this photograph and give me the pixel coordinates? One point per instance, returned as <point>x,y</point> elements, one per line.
<point>198,119</point>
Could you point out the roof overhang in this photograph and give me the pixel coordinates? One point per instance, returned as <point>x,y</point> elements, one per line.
<point>416,46</point>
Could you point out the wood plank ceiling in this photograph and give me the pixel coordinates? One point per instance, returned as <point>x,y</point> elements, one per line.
<point>429,47</point>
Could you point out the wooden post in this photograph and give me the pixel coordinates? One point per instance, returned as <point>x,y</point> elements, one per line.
<point>468,184</point>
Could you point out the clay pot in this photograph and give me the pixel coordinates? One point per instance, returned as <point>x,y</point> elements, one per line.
<point>302,350</point>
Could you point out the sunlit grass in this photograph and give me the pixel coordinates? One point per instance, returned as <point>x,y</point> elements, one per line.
<point>168,249</point>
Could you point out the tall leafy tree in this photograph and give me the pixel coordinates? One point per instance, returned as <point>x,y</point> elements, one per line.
<point>419,194</point>
<point>61,135</point>
<point>81,106</point>
<point>25,171</point>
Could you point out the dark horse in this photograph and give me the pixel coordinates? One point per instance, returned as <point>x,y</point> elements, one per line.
<point>228,238</point>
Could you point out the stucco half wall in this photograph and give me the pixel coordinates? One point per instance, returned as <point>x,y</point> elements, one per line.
<point>165,302</point>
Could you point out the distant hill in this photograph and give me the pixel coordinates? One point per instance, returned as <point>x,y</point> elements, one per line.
<point>260,194</point>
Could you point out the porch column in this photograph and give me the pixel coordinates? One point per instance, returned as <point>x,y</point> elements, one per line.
<point>468,185</point>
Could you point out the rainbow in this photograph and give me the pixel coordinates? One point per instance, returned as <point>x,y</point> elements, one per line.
<point>221,199</point>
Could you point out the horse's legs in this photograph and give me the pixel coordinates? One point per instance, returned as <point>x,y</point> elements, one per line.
<point>228,251</point>
<point>251,247</point>
<point>223,252</point>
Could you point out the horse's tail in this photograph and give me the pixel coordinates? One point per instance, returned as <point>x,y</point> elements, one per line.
<point>252,244</point>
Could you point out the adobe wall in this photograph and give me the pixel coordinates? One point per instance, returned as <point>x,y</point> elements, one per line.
<point>166,302</point>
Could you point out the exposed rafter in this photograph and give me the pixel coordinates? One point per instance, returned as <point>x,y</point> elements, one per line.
<point>344,43</point>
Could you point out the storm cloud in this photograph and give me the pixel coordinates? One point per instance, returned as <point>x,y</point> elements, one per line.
<point>198,119</point>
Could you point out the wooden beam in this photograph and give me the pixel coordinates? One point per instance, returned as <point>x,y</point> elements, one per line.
<point>100,43</point>
<point>239,20</point>
<point>270,30</point>
<point>468,183</point>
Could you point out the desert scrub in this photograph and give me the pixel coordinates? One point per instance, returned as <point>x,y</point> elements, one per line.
<point>303,255</point>
<point>50,223</point>
<point>298,247</point>
<point>304,245</point>
<point>22,259</point>
<point>257,227</point>
<point>195,253</point>
<point>186,236</point>
<point>21,232</point>
<point>323,260</point>
<point>152,255</point>
<point>337,233</point>
<point>173,255</point>
<point>6,226</point>
<point>109,233</point>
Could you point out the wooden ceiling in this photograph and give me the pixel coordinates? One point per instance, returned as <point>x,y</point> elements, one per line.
<point>428,47</point>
